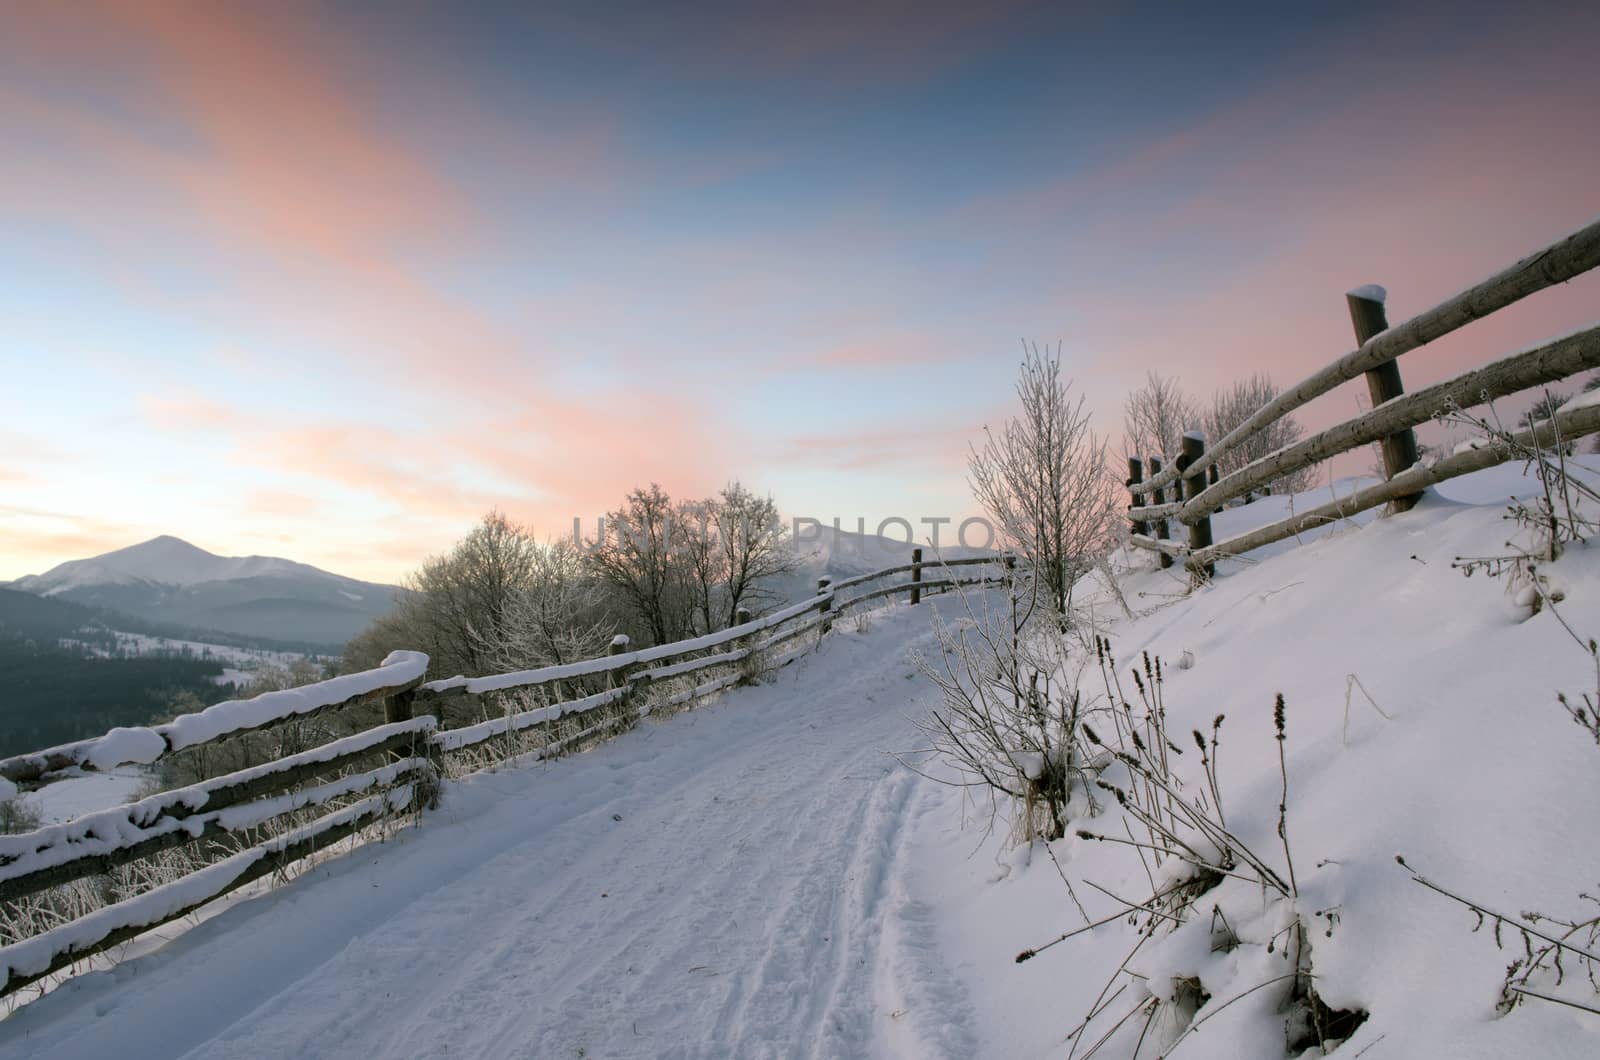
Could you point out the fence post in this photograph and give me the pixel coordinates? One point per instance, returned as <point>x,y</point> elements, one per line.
<point>1136,476</point>
<point>1159,497</point>
<point>1383,384</point>
<point>398,708</point>
<point>1213,475</point>
<point>1194,447</point>
<point>916,576</point>
<point>825,588</point>
<point>619,646</point>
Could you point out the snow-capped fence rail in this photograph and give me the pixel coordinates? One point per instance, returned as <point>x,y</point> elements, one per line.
<point>245,824</point>
<point>632,675</point>
<point>1389,422</point>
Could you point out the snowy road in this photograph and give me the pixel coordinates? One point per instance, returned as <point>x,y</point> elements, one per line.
<point>730,882</point>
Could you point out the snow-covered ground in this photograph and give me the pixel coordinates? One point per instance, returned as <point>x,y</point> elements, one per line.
<point>758,878</point>
<point>78,793</point>
<point>725,883</point>
<point>1477,776</point>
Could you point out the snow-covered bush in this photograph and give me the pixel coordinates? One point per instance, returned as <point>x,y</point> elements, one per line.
<point>1223,920</point>
<point>1008,721</point>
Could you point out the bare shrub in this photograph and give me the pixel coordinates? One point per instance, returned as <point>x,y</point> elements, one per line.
<point>1006,724</point>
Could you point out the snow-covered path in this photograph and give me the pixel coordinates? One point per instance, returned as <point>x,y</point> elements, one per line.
<point>728,882</point>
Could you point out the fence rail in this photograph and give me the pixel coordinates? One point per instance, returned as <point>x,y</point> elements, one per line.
<point>248,823</point>
<point>1389,422</point>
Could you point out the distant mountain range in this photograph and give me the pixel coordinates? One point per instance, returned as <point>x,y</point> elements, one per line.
<point>169,581</point>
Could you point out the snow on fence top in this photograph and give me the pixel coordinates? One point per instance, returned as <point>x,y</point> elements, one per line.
<point>105,830</point>
<point>473,686</point>
<point>400,671</point>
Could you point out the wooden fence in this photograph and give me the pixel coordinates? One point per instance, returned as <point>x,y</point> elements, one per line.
<point>388,767</point>
<point>1196,495</point>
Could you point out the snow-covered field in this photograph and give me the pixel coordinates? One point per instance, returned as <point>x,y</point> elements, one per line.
<point>239,665</point>
<point>759,878</point>
<point>78,793</point>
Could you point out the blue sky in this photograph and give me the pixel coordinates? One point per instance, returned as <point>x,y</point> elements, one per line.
<point>330,281</point>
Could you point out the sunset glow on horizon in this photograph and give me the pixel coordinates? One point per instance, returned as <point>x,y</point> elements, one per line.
<point>330,281</point>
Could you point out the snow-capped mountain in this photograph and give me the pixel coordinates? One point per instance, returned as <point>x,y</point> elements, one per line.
<point>169,580</point>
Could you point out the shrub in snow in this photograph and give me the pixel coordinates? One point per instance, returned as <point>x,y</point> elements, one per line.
<point>1007,721</point>
<point>1222,921</point>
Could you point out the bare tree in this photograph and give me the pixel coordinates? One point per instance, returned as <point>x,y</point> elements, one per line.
<point>457,603</point>
<point>640,556</point>
<point>559,616</point>
<point>1155,416</point>
<point>1233,405</point>
<point>1042,480</point>
<point>703,560</point>
<point>755,547</point>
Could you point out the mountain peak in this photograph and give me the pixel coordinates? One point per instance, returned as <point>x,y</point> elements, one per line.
<point>162,560</point>
<point>166,579</point>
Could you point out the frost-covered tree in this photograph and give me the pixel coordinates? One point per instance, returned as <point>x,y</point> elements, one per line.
<point>458,603</point>
<point>1043,482</point>
<point>734,543</point>
<point>755,548</point>
<point>560,615</point>
<point>1233,405</point>
<point>641,556</point>
<point>1155,416</point>
<point>460,599</point>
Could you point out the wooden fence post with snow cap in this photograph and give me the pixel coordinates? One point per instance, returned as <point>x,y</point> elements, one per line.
<point>1136,476</point>
<point>1159,497</point>
<point>1368,317</point>
<point>619,646</point>
<point>1194,447</point>
<point>825,588</point>
<point>916,576</point>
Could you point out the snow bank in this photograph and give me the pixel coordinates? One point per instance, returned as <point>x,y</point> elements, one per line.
<point>1421,719</point>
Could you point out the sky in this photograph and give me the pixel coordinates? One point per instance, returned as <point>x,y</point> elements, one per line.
<point>331,281</point>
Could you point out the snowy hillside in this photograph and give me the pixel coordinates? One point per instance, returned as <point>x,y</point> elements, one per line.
<point>1422,720</point>
<point>763,877</point>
